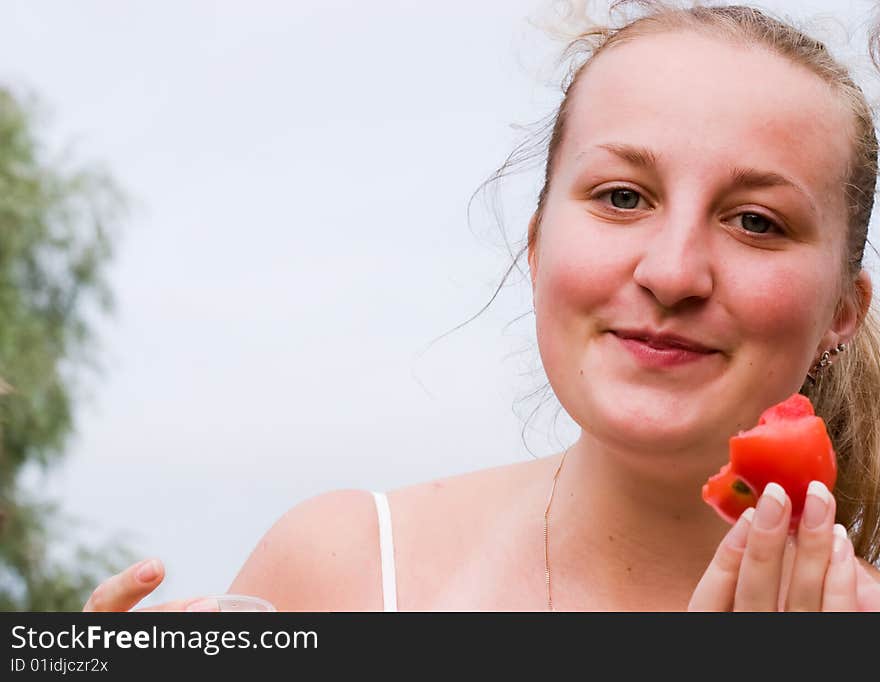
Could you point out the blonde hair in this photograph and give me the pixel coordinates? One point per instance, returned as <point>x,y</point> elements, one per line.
<point>847,394</point>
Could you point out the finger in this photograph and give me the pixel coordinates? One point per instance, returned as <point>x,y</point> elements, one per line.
<point>716,588</point>
<point>868,571</point>
<point>839,593</point>
<point>788,557</point>
<point>123,590</point>
<point>760,574</point>
<point>867,589</point>
<point>814,541</point>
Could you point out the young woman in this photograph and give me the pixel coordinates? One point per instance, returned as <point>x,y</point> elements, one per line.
<point>695,249</point>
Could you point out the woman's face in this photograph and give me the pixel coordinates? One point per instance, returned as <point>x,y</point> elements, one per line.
<point>697,191</point>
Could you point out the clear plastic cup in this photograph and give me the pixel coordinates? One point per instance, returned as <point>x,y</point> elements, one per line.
<point>242,602</point>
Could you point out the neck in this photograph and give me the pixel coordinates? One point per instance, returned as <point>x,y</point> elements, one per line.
<point>630,530</point>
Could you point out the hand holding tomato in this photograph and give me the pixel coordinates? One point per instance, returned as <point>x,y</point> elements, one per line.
<point>786,553</point>
<point>789,446</point>
<point>760,567</point>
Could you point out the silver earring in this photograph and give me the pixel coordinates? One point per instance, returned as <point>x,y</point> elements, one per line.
<point>824,361</point>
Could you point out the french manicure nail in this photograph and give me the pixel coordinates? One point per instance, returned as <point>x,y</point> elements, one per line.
<point>840,549</point>
<point>147,571</point>
<point>204,605</point>
<point>817,504</point>
<point>770,507</point>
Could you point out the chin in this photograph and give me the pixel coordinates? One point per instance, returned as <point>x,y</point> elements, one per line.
<point>646,419</point>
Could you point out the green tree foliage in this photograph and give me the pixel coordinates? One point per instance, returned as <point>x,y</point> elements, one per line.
<point>57,225</point>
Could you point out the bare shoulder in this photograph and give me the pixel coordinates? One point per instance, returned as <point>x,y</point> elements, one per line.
<point>446,529</point>
<point>321,555</point>
<point>468,497</point>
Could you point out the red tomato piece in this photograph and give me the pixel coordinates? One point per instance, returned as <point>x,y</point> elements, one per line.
<point>789,446</point>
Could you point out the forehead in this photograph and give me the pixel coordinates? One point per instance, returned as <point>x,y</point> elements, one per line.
<point>710,103</point>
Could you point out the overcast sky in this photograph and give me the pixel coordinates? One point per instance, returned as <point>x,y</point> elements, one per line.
<point>299,175</point>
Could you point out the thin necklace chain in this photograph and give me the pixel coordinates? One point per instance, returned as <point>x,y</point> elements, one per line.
<point>547,530</point>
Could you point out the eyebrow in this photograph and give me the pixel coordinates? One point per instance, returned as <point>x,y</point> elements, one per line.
<point>637,156</point>
<point>749,178</point>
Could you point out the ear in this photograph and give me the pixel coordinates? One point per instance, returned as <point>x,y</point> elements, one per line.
<point>850,313</point>
<point>533,250</point>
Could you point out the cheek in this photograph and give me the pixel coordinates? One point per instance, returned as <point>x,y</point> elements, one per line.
<point>579,268</point>
<point>581,274</point>
<point>571,282</point>
<point>774,303</point>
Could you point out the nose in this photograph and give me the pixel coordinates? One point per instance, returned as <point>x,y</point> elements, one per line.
<point>675,264</point>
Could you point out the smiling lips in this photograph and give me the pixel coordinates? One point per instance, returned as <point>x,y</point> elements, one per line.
<point>662,341</point>
<point>661,350</point>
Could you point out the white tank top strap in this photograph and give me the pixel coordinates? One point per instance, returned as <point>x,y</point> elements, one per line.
<point>386,552</point>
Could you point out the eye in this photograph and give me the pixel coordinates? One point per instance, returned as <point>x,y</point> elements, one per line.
<point>623,198</point>
<point>756,223</point>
